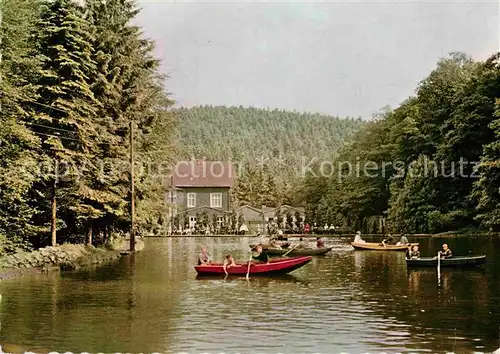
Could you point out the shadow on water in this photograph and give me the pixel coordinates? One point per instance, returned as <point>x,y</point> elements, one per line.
<point>261,279</point>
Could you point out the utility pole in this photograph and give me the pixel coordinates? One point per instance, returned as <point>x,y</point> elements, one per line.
<point>53,218</point>
<point>132,188</point>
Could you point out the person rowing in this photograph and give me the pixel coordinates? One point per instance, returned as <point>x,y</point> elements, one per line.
<point>388,240</point>
<point>446,252</point>
<point>261,256</point>
<point>414,253</point>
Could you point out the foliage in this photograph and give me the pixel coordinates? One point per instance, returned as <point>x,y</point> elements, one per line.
<point>268,147</point>
<point>430,146</point>
<point>18,69</point>
<point>75,75</point>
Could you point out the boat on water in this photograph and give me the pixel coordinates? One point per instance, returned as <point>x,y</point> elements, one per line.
<point>275,266</point>
<point>298,251</point>
<point>379,247</point>
<point>265,246</point>
<point>465,261</point>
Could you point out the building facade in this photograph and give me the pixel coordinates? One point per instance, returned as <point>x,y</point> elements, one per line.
<point>283,217</point>
<point>199,189</point>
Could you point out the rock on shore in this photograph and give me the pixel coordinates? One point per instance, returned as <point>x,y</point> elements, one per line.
<point>66,257</point>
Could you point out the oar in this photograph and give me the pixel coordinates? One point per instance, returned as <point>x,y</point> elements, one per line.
<point>439,267</point>
<point>248,270</point>
<point>294,247</point>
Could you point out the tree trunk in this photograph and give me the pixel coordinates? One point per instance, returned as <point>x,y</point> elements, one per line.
<point>89,235</point>
<point>53,219</point>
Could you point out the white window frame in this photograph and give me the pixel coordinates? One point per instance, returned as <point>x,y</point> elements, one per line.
<point>213,199</point>
<point>191,200</point>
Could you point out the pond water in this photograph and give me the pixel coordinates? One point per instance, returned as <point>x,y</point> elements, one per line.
<point>346,302</point>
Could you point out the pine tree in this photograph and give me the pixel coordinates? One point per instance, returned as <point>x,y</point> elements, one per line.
<point>18,65</point>
<point>131,90</point>
<point>67,109</point>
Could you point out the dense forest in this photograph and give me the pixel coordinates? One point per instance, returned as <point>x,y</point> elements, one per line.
<point>430,165</point>
<point>76,76</point>
<point>267,147</point>
<point>79,81</point>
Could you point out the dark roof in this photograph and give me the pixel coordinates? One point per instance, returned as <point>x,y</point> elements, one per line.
<point>203,174</point>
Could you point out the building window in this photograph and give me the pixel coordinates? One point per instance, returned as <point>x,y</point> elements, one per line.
<point>191,200</point>
<point>216,200</point>
<point>192,221</point>
<point>220,220</point>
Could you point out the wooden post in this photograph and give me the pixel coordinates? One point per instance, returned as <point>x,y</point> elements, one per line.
<point>132,188</point>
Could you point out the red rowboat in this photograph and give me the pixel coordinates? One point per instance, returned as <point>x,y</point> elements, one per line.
<point>275,266</point>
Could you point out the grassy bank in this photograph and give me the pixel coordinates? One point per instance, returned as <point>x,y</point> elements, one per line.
<point>64,257</point>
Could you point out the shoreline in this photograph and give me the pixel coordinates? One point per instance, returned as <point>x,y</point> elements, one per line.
<point>439,235</point>
<point>64,257</point>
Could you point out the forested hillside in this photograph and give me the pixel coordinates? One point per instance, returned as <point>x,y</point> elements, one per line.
<point>269,146</point>
<point>75,77</point>
<point>430,165</point>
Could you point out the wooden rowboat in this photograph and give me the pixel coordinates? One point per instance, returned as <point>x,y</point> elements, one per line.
<point>275,266</point>
<point>299,251</point>
<point>265,246</point>
<point>379,247</point>
<point>469,261</point>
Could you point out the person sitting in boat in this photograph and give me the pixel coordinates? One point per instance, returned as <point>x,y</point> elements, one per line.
<point>204,257</point>
<point>281,236</point>
<point>228,263</point>
<point>319,242</point>
<point>403,240</point>
<point>274,243</point>
<point>446,252</point>
<point>261,256</point>
<point>388,240</point>
<point>414,253</point>
<point>301,244</point>
<point>357,238</point>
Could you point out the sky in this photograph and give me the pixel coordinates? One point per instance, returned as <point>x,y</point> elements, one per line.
<point>340,58</point>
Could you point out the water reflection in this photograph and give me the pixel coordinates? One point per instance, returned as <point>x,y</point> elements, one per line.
<point>345,302</point>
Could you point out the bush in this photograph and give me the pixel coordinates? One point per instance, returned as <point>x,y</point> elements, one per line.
<point>9,245</point>
<point>454,220</point>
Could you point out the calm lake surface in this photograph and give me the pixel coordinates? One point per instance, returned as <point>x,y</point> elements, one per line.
<point>348,301</point>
